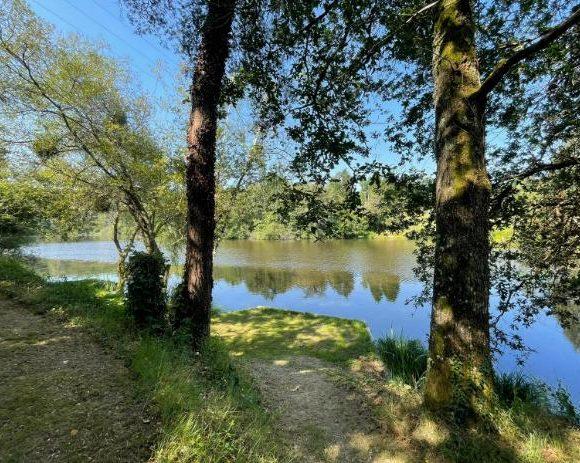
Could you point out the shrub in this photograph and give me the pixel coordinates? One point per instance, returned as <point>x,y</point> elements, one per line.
<point>406,359</point>
<point>516,390</point>
<point>512,388</point>
<point>145,296</point>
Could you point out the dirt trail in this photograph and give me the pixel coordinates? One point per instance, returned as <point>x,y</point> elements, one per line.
<point>62,397</point>
<point>323,420</point>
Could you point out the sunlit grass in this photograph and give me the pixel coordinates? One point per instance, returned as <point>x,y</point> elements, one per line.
<point>209,411</point>
<point>272,333</point>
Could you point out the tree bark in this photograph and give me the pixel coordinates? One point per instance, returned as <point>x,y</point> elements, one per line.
<point>200,170</point>
<point>460,372</point>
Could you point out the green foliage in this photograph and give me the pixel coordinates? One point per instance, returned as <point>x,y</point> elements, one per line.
<point>517,390</point>
<point>273,208</point>
<point>145,295</point>
<point>13,271</point>
<point>45,146</point>
<point>30,208</point>
<point>270,227</point>
<point>86,126</point>
<point>18,219</point>
<point>406,359</point>
<point>544,216</point>
<point>512,388</point>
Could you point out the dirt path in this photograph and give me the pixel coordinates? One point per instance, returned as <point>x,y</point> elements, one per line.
<point>324,421</point>
<point>62,397</point>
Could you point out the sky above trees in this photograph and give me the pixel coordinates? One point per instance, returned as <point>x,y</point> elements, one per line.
<point>158,68</point>
<point>104,20</point>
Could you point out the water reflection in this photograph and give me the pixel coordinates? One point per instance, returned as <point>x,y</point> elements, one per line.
<point>57,268</point>
<point>365,280</point>
<point>269,282</point>
<point>382,285</point>
<point>266,282</point>
<point>571,326</point>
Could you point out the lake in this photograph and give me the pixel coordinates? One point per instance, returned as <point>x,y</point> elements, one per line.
<point>365,280</point>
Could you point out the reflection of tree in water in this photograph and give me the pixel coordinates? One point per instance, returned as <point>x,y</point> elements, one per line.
<point>571,325</point>
<point>73,268</point>
<point>382,285</point>
<point>341,282</point>
<point>268,282</point>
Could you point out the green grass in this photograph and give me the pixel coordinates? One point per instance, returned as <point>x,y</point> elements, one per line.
<point>405,359</point>
<point>273,333</point>
<point>14,274</point>
<point>516,390</point>
<point>530,422</point>
<point>512,388</point>
<point>209,411</point>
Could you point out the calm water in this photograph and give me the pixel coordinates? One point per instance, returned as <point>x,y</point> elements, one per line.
<point>366,280</point>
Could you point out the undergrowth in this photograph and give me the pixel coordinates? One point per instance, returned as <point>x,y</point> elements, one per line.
<point>529,421</point>
<point>406,360</point>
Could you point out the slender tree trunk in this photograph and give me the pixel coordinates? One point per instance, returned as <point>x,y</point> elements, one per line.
<point>123,253</point>
<point>150,242</point>
<point>200,169</point>
<point>460,369</point>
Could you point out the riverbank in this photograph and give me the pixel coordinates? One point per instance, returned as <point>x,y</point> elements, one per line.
<point>235,401</point>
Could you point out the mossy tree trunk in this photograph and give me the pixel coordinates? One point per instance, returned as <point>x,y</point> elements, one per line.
<point>122,252</point>
<point>460,369</point>
<point>200,169</point>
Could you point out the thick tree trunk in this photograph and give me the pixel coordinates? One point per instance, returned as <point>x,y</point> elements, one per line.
<point>460,370</point>
<point>200,166</point>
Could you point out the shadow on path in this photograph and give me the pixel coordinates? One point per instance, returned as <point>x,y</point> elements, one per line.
<point>62,397</point>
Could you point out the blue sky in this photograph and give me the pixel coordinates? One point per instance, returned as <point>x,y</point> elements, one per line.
<point>156,67</point>
<point>103,20</point>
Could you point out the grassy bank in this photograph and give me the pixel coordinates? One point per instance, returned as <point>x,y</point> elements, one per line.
<point>528,424</point>
<point>210,411</point>
<point>276,334</point>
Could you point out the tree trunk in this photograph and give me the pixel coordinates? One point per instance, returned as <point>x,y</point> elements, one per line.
<point>460,369</point>
<point>200,166</point>
<point>150,242</point>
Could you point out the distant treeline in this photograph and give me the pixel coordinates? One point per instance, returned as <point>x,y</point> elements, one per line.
<point>274,209</point>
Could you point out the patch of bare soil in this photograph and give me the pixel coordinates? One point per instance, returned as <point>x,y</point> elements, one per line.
<point>322,419</point>
<point>63,398</point>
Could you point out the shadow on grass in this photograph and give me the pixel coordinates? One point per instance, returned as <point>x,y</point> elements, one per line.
<point>409,431</point>
<point>207,410</point>
<point>519,433</point>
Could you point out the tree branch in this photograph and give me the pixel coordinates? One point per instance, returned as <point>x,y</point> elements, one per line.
<point>507,64</point>
<point>327,9</point>
<point>418,12</point>
<point>537,168</point>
